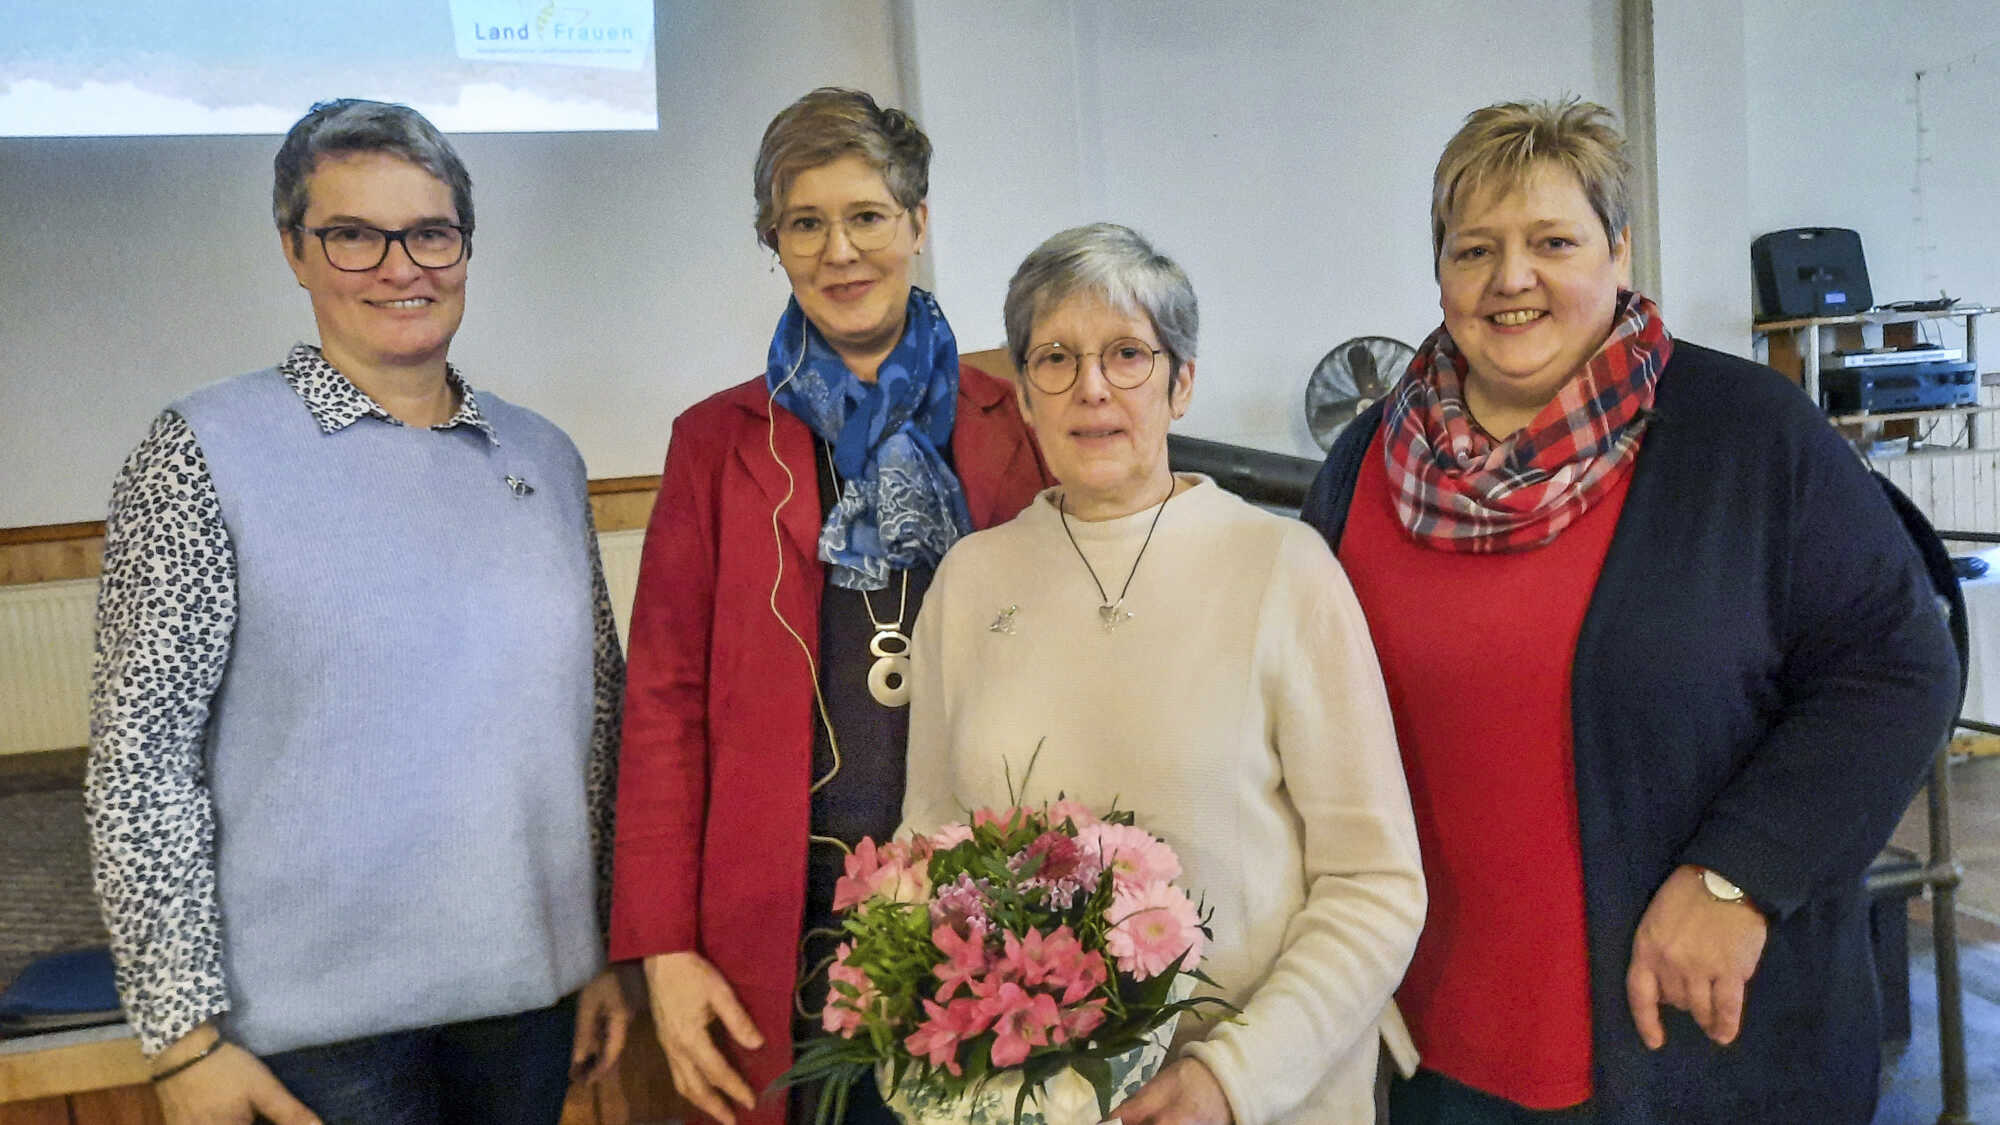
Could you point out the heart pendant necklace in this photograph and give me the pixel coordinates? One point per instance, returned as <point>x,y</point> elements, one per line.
<point>1111,614</point>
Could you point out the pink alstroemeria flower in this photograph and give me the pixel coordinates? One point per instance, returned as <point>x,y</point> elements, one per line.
<point>1007,820</point>
<point>965,960</point>
<point>1021,1020</point>
<point>945,1026</point>
<point>845,1014</point>
<point>936,1039</point>
<point>1071,967</point>
<point>896,872</point>
<point>1151,929</point>
<point>950,836</point>
<point>1057,962</point>
<point>1079,1021</point>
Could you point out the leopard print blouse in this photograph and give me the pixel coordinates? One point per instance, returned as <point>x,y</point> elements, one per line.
<point>166,610</point>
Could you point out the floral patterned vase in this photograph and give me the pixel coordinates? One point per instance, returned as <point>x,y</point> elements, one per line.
<point>1066,1099</point>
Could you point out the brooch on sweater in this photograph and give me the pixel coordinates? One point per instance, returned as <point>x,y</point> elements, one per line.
<point>520,487</point>
<point>1003,622</point>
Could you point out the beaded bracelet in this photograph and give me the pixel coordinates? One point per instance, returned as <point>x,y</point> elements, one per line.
<point>190,1060</point>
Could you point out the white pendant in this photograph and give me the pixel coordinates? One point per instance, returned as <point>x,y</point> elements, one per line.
<point>889,681</point>
<point>889,677</point>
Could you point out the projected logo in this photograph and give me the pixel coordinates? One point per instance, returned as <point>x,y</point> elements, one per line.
<point>614,34</point>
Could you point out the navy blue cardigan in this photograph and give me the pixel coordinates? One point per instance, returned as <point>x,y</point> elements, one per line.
<point>1761,679</point>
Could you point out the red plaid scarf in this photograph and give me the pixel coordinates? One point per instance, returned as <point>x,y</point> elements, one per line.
<point>1456,489</point>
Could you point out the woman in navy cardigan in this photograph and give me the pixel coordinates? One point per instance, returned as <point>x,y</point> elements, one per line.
<point>1665,670</point>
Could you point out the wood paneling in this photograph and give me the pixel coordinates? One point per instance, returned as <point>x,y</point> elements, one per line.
<point>45,761</point>
<point>643,1093</point>
<point>127,1105</point>
<point>62,551</point>
<point>70,1070</point>
<point>994,361</point>
<point>105,1084</point>
<point>52,560</point>
<point>580,1108</point>
<point>42,1111</point>
<point>50,532</point>
<point>623,511</point>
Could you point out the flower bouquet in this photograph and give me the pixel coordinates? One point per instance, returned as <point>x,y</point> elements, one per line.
<point>1026,967</point>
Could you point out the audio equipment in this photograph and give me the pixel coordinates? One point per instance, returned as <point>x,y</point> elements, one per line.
<point>1809,271</point>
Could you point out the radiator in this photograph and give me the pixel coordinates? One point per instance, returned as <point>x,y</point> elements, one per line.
<point>1959,492</point>
<point>45,639</point>
<point>45,635</point>
<point>621,573</point>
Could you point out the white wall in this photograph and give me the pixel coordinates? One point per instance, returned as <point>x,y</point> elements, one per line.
<point>1833,130</point>
<point>1699,104</point>
<point>1280,151</point>
<point>616,280</point>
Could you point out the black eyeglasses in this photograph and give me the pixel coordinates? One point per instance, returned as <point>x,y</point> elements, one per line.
<point>1126,363</point>
<point>354,248</point>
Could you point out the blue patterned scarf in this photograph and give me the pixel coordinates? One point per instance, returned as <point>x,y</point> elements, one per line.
<point>899,503</point>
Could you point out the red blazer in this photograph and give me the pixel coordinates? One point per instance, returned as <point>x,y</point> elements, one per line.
<point>713,807</point>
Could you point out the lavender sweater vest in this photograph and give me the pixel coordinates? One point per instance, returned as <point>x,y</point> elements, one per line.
<point>396,753</point>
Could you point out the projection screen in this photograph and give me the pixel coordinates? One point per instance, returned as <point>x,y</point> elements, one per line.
<point>94,68</point>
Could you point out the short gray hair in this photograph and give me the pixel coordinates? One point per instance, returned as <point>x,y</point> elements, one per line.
<point>825,125</point>
<point>1115,263</point>
<point>354,125</point>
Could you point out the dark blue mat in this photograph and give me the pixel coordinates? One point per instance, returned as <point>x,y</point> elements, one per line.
<point>62,983</point>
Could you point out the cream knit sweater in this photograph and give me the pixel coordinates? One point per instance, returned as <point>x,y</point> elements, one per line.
<point>1241,715</point>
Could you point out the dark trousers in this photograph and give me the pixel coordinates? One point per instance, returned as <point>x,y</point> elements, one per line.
<point>506,1070</point>
<point>1429,1098</point>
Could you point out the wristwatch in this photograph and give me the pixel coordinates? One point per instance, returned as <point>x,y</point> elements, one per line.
<point>1719,888</point>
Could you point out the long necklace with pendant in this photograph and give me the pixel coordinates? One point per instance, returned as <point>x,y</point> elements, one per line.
<point>1112,614</point>
<point>889,676</point>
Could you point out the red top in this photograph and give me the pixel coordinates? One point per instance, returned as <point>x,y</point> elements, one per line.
<point>713,801</point>
<point>1476,653</point>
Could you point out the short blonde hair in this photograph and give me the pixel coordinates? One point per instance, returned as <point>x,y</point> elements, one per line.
<point>824,126</point>
<point>1502,145</point>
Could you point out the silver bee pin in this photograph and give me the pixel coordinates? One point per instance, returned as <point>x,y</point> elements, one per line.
<point>1003,622</point>
<point>520,487</point>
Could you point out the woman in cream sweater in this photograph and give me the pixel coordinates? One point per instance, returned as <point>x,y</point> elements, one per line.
<point>1198,661</point>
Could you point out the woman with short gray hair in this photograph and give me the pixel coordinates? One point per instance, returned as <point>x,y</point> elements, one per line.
<point>354,715</point>
<point>1182,654</point>
<point>1117,263</point>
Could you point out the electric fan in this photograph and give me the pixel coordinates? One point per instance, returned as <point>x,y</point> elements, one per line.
<point>1349,379</point>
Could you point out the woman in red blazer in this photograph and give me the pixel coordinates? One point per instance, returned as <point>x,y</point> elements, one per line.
<point>799,517</point>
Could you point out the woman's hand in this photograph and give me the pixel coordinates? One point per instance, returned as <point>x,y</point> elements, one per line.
<point>602,1017</point>
<point>687,995</point>
<point>230,1087</point>
<point>1185,1093</point>
<point>1695,953</point>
